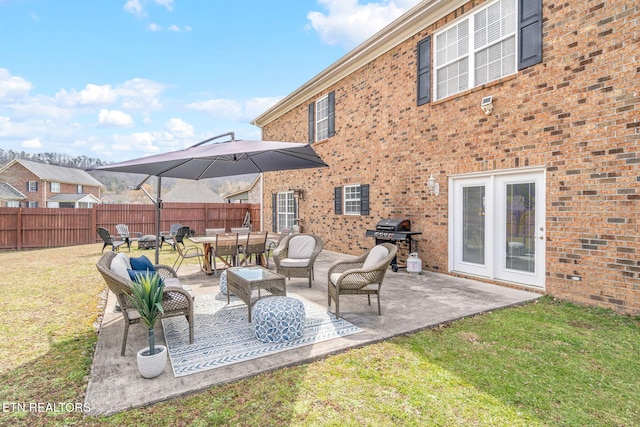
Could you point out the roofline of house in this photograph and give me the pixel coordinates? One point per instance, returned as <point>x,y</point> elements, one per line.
<point>49,179</point>
<point>410,23</point>
<point>245,190</point>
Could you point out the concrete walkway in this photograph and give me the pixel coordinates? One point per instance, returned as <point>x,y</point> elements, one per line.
<point>409,303</point>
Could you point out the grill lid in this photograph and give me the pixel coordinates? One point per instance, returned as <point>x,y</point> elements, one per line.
<point>394,224</point>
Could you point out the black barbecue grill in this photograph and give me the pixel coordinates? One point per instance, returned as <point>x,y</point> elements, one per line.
<point>393,231</point>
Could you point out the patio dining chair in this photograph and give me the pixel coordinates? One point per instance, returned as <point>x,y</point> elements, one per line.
<point>225,249</point>
<point>360,276</point>
<point>110,240</point>
<point>254,245</point>
<point>186,252</point>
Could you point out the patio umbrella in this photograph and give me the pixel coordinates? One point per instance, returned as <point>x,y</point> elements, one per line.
<point>209,159</point>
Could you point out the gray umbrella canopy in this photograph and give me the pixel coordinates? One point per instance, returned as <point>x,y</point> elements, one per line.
<point>209,159</point>
<point>227,158</point>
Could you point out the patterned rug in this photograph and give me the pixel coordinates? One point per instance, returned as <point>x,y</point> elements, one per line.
<point>223,336</point>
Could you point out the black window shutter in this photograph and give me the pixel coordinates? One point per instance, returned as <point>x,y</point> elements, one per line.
<point>274,212</point>
<point>337,200</point>
<point>530,36</point>
<point>36,185</point>
<point>424,70</point>
<point>27,185</point>
<point>312,122</point>
<point>364,199</point>
<point>331,98</point>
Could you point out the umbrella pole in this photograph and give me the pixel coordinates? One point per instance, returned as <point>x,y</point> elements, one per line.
<point>158,204</point>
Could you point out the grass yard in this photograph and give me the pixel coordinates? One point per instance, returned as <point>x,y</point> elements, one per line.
<point>547,363</point>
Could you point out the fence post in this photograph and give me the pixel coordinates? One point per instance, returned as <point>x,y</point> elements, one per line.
<point>94,223</point>
<point>19,230</point>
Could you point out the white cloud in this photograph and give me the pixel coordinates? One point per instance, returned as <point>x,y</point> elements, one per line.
<point>225,108</point>
<point>168,4</point>
<point>179,127</point>
<point>32,143</point>
<point>154,27</point>
<point>134,7</point>
<point>108,118</point>
<point>348,23</point>
<point>12,87</point>
<point>91,95</point>
<point>174,28</point>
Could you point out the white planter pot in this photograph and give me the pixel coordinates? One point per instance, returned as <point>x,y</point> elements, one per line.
<point>151,366</point>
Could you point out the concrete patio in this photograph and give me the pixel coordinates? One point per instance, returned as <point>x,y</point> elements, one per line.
<point>409,303</point>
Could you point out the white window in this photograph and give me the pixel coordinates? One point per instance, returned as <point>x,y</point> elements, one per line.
<point>79,189</point>
<point>322,118</point>
<point>479,49</point>
<point>13,204</point>
<point>55,187</point>
<point>32,204</point>
<point>32,186</point>
<point>352,199</point>
<point>286,210</point>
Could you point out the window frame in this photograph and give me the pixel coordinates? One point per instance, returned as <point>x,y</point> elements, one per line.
<point>79,189</point>
<point>472,50</point>
<point>32,186</point>
<point>322,120</point>
<point>348,208</point>
<point>54,187</point>
<point>289,217</point>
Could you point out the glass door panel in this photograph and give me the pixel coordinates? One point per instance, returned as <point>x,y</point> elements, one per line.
<point>473,225</point>
<point>520,249</point>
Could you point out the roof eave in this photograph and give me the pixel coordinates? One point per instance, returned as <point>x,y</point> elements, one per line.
<point>406,26</point>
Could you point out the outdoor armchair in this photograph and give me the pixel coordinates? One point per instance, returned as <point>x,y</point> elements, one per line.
<point>177,300</point>
<point>296,254</point>
<point>360,276</point>
<point>128,236</point>
<point>170,236</point>
<point>110,240</point>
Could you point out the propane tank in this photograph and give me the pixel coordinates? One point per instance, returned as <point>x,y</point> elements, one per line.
<point>414,264</point>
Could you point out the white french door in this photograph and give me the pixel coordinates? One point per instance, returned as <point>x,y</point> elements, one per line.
<point>497,226</point>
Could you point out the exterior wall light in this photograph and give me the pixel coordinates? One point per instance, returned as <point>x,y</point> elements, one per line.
<point>487,104</point>
<point>432,186</point>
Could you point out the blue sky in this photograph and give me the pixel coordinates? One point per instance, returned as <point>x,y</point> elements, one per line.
<point>121,79</point>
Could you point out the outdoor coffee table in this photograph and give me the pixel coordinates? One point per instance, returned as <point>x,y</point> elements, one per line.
<point>241,281</point>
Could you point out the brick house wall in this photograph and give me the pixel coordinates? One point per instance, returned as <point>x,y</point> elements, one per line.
<point>18,176</point>
<point>575,115</point>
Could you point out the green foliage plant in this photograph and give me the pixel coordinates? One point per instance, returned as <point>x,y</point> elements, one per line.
<point>147,299</point>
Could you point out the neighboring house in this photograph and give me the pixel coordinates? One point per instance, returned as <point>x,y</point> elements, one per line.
<point>51,186</point>
<point>251,194</point>
<point>506,131</point>
<point>10,197</point>
<point>191,191</point>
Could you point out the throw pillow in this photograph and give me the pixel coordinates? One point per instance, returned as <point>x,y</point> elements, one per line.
<point>142,263</point>
<point>134,274</point>
<point>120,264</point>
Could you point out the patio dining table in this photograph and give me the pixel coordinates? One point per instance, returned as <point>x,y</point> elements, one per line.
<point>207,243</point>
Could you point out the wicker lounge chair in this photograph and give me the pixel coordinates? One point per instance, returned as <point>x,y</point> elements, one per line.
<point>296,254</point>
<point>360,276</point>
<point>177,300</point>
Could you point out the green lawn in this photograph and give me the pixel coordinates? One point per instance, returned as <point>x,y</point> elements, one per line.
<point>547,363</point>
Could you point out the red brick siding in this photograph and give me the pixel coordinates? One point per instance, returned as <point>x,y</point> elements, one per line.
<point>576,114</point>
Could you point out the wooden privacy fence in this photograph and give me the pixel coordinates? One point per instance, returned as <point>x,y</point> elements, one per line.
<point>30,228</point>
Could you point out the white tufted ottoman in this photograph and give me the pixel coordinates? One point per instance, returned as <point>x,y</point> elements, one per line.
<point>278,319</point>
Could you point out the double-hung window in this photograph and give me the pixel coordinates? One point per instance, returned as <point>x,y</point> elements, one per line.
<point>55,187</point>
<point>322,118</point>
<point>487,44</point>
<point>352,199</point>
<point>479,49</point>
<point>32,186</point>
<point>79,188</point>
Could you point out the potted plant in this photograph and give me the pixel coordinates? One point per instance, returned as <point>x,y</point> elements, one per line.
<point>147,300</point>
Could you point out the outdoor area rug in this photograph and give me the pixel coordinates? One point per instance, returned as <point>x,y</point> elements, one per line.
<point>223,335</point>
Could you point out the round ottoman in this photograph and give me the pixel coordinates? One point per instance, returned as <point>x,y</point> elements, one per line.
<point>223,283</point>
<point>278,319</point>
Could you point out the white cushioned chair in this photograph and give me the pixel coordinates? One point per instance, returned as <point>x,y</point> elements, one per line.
<point>360,276</point>
<point>296,254</point>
